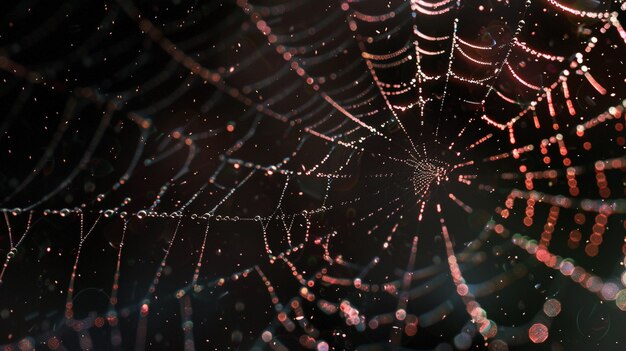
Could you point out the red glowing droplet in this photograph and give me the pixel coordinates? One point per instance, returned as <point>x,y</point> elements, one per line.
<point>538,333</point>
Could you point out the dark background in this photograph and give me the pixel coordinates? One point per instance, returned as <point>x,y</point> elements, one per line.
<point>66,63</point>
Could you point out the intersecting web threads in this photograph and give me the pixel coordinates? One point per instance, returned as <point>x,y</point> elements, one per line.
<point>323,175</point>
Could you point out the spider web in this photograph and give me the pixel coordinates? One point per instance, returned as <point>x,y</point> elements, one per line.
<point>325,175</point>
